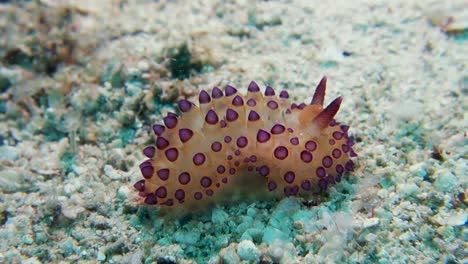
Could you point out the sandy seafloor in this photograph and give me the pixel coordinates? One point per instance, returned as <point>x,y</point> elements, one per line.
<point>81,82</point>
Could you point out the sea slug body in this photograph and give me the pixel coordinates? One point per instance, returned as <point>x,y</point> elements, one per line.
<point>295,148</point>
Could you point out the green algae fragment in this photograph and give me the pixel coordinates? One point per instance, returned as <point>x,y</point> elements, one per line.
<point>126,136</point>
<point>386,182</point>
<point>328,64</point>
<point>114,75</point>
<point>51,128</point>
<point>187,237</point>
<point>271,234</point>
<point>460,37</point>
<point>181,62</point>
<point>5,83</point>
<point>67,160</point>
<point>446,182</point>
<point>18,57</point>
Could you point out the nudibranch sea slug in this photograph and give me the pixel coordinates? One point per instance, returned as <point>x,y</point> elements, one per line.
<point>294,149</point>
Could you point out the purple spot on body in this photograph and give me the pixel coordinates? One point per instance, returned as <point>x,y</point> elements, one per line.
<point>331,141</point>
<point>339,169</point>
<point>211,117</point>
<point>323,184</point>
<point>237,101</point>
<point>337,135</point>
<point>253,158</point>
<point>320,172</point>
<point>172,154</point>
<point>170,121</point>
<point>231,115</point>
<point>147,171</point>
<point>229,157</point>
<point>232,171</point>
<point>221,169</point>
<point>277,129</point>
<point>149,151</point>
<point>184,178</point>
<point>345,148</point>
<point>310,145</point>
<point>216,93</point>
<point>158,129</point>
<point>338,178</point>
<point>352,154</point>
<point>264,171</point>
<point>269,91</point>
<point>236,163</point>
<point>273,105</point>
<point>185,106</point>
<point>230,90</point>
<point>263,136</point>
<point>289,177</point>
<point>237,152</point>
<point>145,164</point>
<point>288,111</point>
<point>290,130</point>
<point>209,192</point>
<point>294,190</point>
<point>227,139</point>
<point>330,179</point>
<point>344,128</point>
<point>327,161</point>
<point>284,94</point>
<point>253,87</point>
<point>224,180</point>
<point>216,146</point>
<point>294,141</point>
<point>151,199</point>
<point>293,106</point>
<point>222,124</point>
<point>281,153</point>
<point>198,195</point>
<point>204,97</point>
<point>161,192</point>
<point>185,134</point>
<point>271,186</point>
<point>306,185</point>
<point>163,174</point>
<point>161,143</point>
<point>205,181</point>
<point>251,102</point>
<point>168,202</point>
<point>242,142</point>
<point>139,185</point>
<point>336,153</point>
<point>306,156</point>
<point>253,116</point>
<point>179,194</point>
<point>349,166</point>
<point>199,159</point>
<point>301,106</point>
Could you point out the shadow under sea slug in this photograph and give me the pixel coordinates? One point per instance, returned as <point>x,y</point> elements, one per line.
<point>289,149</point>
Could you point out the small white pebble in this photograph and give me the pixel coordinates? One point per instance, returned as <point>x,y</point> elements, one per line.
<point>111,172</point>
<point>143,65</point>
<point>101,256</point>
<point>370,222</point>
<point>248,251</point>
